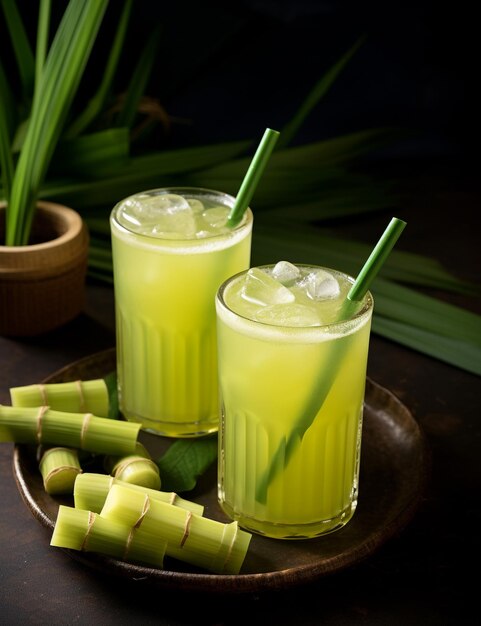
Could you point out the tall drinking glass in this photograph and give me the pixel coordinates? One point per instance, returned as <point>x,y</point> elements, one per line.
<point>292,379</point>
<point>171,251</point>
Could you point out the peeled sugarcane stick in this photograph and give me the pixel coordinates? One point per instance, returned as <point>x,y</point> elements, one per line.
<point>203,542</point>
<point>90,492</point>
<point>88,396</point>
<point>73,430</point>
<point>137,468</point>
<point>77,529</point>
<point>59,468</point>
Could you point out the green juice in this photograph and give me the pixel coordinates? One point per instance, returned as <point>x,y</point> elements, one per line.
<point>170,256</point>
<point>292,380</point>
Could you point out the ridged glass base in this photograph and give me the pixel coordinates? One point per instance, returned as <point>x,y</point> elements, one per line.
<point>291,531</point>
<point>174,429</point>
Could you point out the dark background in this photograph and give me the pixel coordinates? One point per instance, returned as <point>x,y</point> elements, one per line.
<point>227,70</point>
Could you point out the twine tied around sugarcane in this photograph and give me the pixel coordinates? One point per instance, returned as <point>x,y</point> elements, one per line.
<point>128,544</point>
<point>85,426</point>
<point>185,536</point>
<point>60,468</point>
<point>78,384</point>
<point>90,525</point>
<point>145,508</point>
<point>43,393</point>
<point>122,465</point>
<point>41,412</point>
<point>43,390</point>
<point>231,545</point>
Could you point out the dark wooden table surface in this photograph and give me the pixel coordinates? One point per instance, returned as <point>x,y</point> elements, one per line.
<point>421,576</point>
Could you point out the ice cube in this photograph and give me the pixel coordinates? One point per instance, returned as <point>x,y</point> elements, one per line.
<point>149,207</point>
<point>167,214</point>
<point>262,289</point>
<point>178,225</point>
<point>203,234</point>
<point>216,216</point>
<point>158,214</point>
<point>291,314</point>
<point>322,285</point>
<point>137,211</point>
<point>285,272</point>
<point>170,202</point>
<point>196,205</point>
<point>129,215</point>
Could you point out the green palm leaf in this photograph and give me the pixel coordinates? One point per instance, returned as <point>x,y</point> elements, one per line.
<point>308,244</point>
<point>96,104</point>
<point>319,90</point>
<point>7,117</point>
<point>21,46</point>
<point>42,39</point>
<point>60,78</point>
<point>138,83</point>
<point>462,354</point>
<point>146,171</point>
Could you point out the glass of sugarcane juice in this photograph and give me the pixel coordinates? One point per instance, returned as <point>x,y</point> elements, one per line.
<point>292,379</point>
<point>171,251</point>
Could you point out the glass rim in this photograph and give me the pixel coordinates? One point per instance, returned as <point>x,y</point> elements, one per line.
<point>365,310</point>
<point>189,190</point>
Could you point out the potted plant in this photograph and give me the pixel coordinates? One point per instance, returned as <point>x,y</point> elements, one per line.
<point>43,245</point>
<point>43,256</point>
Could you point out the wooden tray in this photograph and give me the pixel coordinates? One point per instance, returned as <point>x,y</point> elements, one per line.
<point>394,464</point>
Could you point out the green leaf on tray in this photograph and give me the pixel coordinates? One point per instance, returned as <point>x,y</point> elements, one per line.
<point>185,461</point>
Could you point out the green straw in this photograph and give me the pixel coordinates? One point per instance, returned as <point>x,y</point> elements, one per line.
<point>376,259</point>
<point>251,179</point>
<point>288,445</point>
<point>371,267</point>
